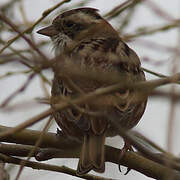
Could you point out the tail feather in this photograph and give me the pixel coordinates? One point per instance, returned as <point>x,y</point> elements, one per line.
<point>92,154</point>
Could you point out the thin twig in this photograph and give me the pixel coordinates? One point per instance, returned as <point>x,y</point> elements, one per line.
<point>38,142</point>
<point>171,119</point>
<point>29,30</point>
<point>149,30</point>
<point>159,11</point>
<point>142,87</point>
<point>30,43</point>
<point>12,73</point>
<point>167,95</point>
<point>120,8</point>
<point>21,89</point>
<point>154,73</point>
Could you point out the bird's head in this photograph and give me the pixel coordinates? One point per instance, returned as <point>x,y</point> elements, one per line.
<point>76,25</point>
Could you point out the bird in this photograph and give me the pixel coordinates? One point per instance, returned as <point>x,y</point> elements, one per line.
<point>91,43</point>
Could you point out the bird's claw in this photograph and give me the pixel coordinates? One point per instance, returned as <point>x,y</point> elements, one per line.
<point>127,147</point>
<point>127,171</point>
<point>60,133</point>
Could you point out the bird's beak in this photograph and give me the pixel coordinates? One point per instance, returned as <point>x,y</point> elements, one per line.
<point>48,31</point>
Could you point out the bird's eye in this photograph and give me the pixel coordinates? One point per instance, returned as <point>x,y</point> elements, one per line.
<point>68,24</point>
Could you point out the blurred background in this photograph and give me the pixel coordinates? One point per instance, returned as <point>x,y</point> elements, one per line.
<point>150,28</point>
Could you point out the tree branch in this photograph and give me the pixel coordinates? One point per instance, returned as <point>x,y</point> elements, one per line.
<point>36,165</point>
<point>66,149</point>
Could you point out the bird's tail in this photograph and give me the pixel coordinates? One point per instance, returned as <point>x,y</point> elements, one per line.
<point>92,154</point>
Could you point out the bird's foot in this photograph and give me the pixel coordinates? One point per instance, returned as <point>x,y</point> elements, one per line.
<point>127,147</point>
<point>60,133</point>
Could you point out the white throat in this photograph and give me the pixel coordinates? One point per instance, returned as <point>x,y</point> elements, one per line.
<point>60,41</point>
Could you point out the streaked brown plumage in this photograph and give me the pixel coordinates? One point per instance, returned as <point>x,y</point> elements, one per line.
<point>91,42</point>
